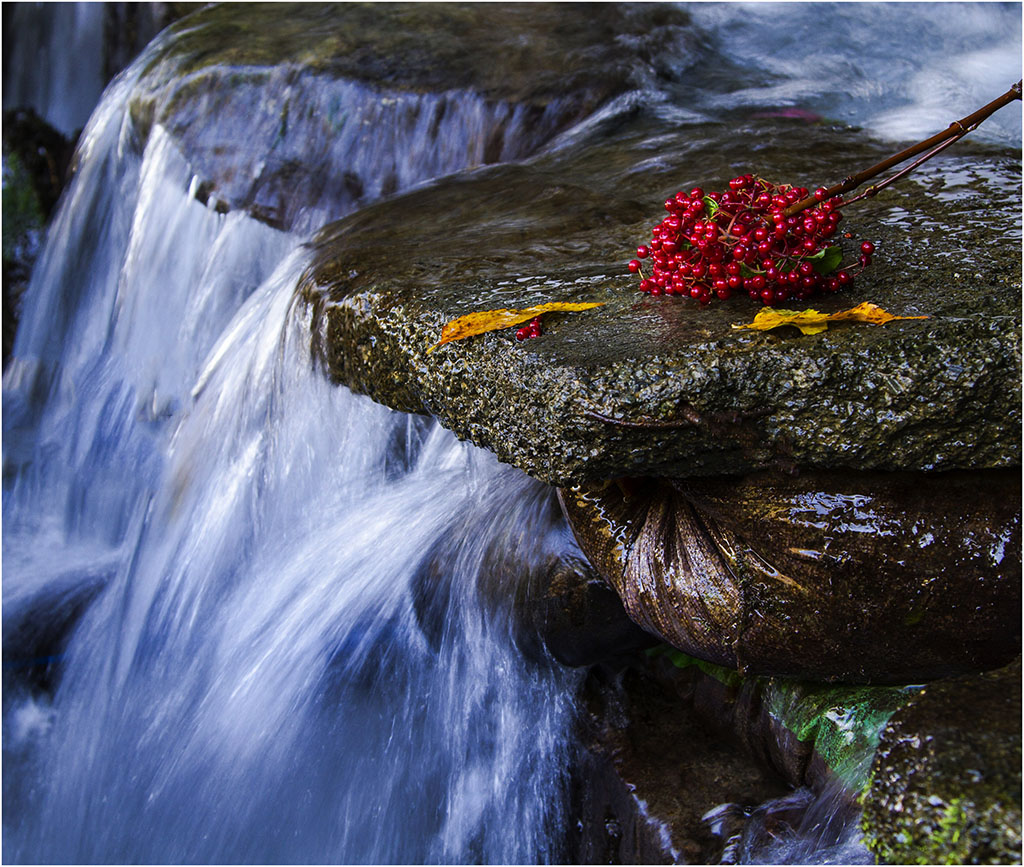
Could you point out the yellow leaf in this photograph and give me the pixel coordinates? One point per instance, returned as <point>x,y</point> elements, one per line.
<point>813,322</point>
<point>491,320</point>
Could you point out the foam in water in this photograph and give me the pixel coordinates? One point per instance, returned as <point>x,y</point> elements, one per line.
<point>213,646</point>
<point>901,70</point>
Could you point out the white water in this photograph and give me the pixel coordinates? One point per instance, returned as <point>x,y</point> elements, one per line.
<point>62,43</point>
<point>902,71</point>
<point>253,683</point>
<point>212,561</point>
<point>226,553</point>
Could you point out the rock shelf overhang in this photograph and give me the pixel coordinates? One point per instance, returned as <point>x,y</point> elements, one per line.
<point>661,386</point>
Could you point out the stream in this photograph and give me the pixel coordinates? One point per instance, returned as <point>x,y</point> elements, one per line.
<point>213,650</point>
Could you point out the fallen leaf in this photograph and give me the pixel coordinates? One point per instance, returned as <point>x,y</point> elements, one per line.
<point>813,322</point>
<point>492,320</point>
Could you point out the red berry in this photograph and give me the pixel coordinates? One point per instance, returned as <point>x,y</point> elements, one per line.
<point>867,247</point>
<point>634,265</point>
<point>642,252</point>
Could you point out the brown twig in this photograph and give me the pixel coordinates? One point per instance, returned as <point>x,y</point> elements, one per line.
<point>954,131</point>
<point>876,188</point>
<point>690,419</point>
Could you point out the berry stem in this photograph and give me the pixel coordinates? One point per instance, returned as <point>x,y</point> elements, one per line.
<point>955,131</point>
<point>876,188</point>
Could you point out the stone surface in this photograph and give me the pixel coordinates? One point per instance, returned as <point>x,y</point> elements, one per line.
<point>935,394</point>
<point>946,779</point>
<point>326,107</point>
<point>836,576</point>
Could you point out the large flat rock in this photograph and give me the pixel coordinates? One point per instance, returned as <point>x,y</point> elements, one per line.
<point>931,394</point>
<point>282,109</point>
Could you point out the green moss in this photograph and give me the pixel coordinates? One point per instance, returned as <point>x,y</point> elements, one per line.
<point>22,212</point>
<point>842,724</point>
<point>945,786</point>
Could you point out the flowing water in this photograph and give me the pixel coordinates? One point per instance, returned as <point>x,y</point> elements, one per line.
<point>237,546</point>
<point>213,650</point>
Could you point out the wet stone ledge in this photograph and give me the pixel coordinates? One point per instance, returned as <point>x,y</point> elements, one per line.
<point>325,107</point>
<point>934,394</point>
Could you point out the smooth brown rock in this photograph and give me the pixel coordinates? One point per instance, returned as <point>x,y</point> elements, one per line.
<point>843,577</point>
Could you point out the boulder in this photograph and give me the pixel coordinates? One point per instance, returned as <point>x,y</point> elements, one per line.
<point>322,108</point>
<point>836,576</point>
<point>946,779</point>
<point>660,386</point>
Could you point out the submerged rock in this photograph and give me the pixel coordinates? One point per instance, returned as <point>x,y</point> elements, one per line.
<point>931,774</point>
<point>535,583</point>
<point>946,780</point>
<point>649,770</point>
<point>322,108</point>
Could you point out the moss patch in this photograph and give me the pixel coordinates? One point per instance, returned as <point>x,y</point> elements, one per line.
<point>945,784</point>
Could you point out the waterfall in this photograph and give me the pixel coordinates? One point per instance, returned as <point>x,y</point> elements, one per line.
<point>249,616</point>
<point>63,44</point>
<point>216,642</point>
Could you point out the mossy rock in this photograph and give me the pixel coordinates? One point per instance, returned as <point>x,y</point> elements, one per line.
<point>811,734</point>
<point>661,386</point>
<point>946,780</point>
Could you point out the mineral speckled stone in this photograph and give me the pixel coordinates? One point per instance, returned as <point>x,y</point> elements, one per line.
<point>933,394</point>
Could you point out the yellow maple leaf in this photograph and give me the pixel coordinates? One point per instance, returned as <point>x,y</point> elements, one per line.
<point>491,320</point>
<point>813,322</point>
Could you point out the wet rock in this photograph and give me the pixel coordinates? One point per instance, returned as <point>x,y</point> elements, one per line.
<point>647,774</point>
<point>946,780</point>
<point>577,617</point>
<point>661,386</point>
<point>843,577</point>
<point>548,596</point>
<point>809,734</point>
<point>36,158</point>
<point>330,106</point>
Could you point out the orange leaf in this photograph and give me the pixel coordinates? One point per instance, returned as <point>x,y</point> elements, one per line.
<point>492,320</point>
<point>813,322</point>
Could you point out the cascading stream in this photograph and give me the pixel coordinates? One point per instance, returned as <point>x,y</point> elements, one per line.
<point>253,683</point>
<point>212,651</point>
<point>251,617</point>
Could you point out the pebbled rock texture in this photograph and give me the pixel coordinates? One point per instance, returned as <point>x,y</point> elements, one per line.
<point>941,393</point>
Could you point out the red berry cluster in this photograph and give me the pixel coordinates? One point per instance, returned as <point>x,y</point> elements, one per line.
<point>530,329</point>
<point>721,244</point>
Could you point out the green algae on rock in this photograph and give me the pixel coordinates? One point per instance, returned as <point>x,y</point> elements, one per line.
<point>809,733</point>
<point>842,577</point>
<point>946,780</point>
